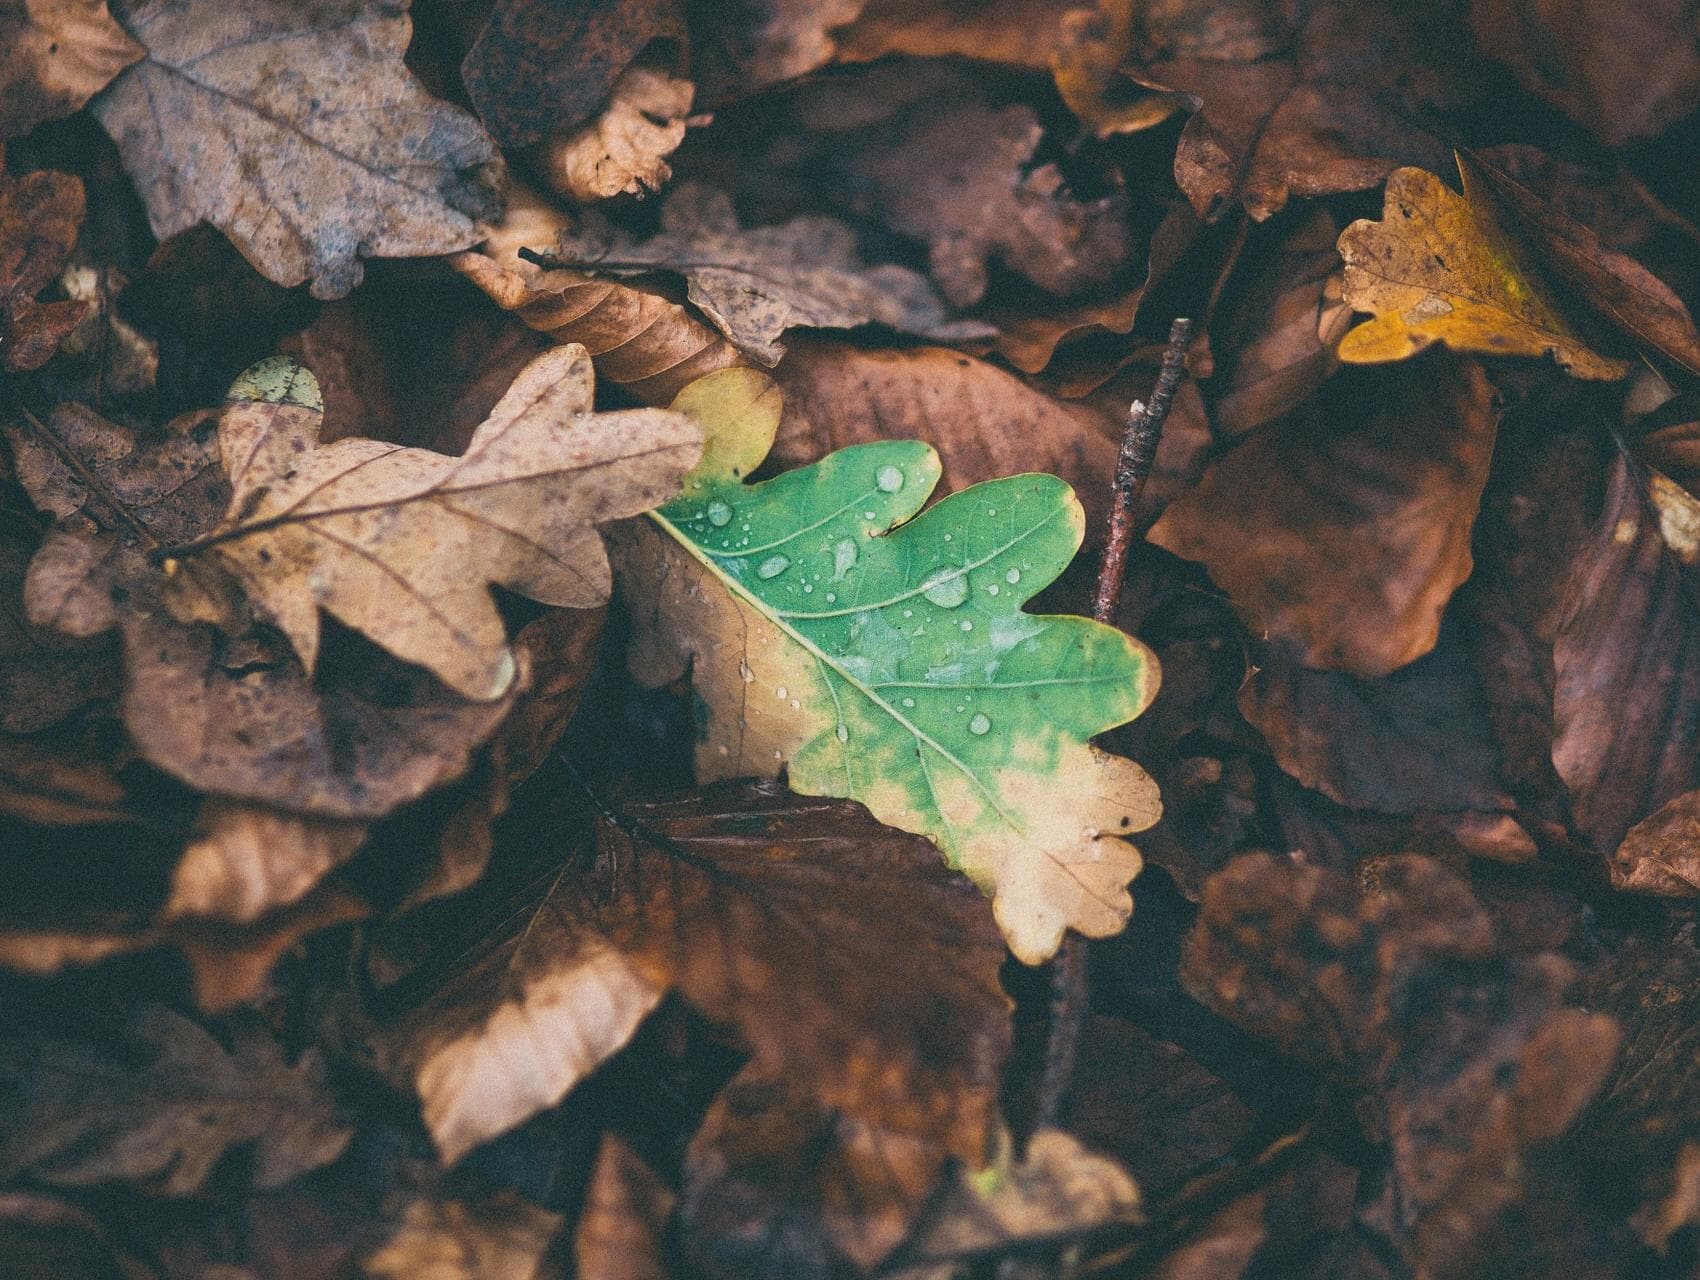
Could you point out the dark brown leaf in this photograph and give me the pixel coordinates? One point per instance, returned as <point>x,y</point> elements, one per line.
<point>54,56</point>
<point>39,217</point>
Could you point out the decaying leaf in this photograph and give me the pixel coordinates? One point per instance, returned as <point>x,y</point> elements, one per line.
<point>626,1208</point>
<point>163,1106</point>
<point>54,56</point>
<point>1304,102</point>
<point>1094,43</point>
<point>896,666</point>
<point>784,918</point>
<point>1465,1059</point>
<point>1661,853</point>
<point>646,343</point>
<point>1345,532</point>
<point>43,678</point>
<point>39,216</point>
<point>753,284</point>
<point>625,149</point>
<point>306,176</point>
<point>1441,267</point>
<point>245,861</point>
<point>501,1237</point>
<point>919,147</point>
<point>751,44</point>
<point>403,544</point>
<point>543,65</point>
<point>1022,33</point>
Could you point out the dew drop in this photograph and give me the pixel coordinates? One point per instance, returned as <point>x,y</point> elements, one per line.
<point>981,724</point>
<point>830,598</point>
<point>719,514</point>
<point>808,587</point>
<point>949,536</point>
<point>844,733</point>
<point>967,625</point>
<point>773,566</point>
<point>744,670</point>
<point>843,557</point>
<point>867,515</point>
<point>796,704</point>
<point>992,590</point>
<point>991,511</point>
<point>946,588</point>
<point>1012,577</point>
<point>908,613</point>
<point>908,702</point>
<point>889,479</point>
<point>782,692</point>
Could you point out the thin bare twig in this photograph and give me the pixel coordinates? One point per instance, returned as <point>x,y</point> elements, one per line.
<point>1133,469</point>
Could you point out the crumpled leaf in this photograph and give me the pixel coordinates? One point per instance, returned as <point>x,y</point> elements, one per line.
<point>164,1106</point>
<point>896,667</point>
<point>919,147</point>
<point>753,284</point>
<point>305,176</point>
<point>543,65</point>
<point>500,1237</point>
<point>1352,553</point>
<point>651,346</point>
<point>625,149</point>
<point>787,919</point>
<point>1057,1189</point>
<point>54,56</point>
<point>1466,1063</point>
<point>1441,267</point>
<point>1622,74</point>
<point>39,216</point>
<point>1661,853</point>
<point>1304,102</point>
<point>403,544</point>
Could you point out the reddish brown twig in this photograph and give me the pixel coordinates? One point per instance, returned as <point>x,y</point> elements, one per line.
<point>1133,468</point>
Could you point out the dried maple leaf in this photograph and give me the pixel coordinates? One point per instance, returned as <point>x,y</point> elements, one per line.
<point>641,341</point>
<point>753,284</point>
<point>782,917</point>
<point>299,133</point>
<point>892,663</point>
<point>1346,534</point>
<point>543,65</point>
<point>1443,268</point>
<point>1466,1062</point>
<point>625,149</point>
<point>164,1105</point>
<point>54,56</point>
<point>1303,100</point>
<point>403,544</point>
<point>39,216</point>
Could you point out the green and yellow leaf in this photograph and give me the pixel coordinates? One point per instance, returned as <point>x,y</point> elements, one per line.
<point>888,659</point>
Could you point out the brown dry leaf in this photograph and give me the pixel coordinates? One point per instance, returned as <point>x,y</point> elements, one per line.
<point>1467,1064</point>
<point>43,677</point>
<point>501,1237</point>
<point>244,861</point>
<point>61,1242</point>
<point>1619,289</point>
<point>39,217</point>
<point>232,965</point>
<point>1059,1188</point>
<point>52,782</point>
<point>305,178</point>
<point>539,66</point>
<point>163,1105</point>
<point>1344,528</point>
<point>1308,101</point>
<point>1415,741</point>
<point>54,56</point>
<point>1274,336</point>
<point>919,147</point>
<point>641,341</point>
<point>755,283</point>
<point>1661,853</point>
<point>403,544</point>
<point>1087,65</point>
<point>1443,268</point>
<point>744,46</point>
<point>1621,73</point>
<point>626,1207</point>
<point>1022,33</point>
<point>625,149</point>
<point>786,918</point>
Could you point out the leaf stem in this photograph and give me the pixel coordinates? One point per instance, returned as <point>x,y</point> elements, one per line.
<point>1069,977</point>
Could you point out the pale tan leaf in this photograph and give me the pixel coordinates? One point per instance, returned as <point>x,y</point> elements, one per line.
<point>502,1237</point>
<point>246,861</point>
<point>624,149</point>
<point>54,56</point>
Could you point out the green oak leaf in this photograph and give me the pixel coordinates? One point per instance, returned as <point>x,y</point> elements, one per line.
<point>887,658</point>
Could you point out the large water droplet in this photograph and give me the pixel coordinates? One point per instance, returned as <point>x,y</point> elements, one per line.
<point>1012,577</point>
<point>946,588</point>
<point>992,590</point>
<point>844,733</point>
<point>719,514</point>
<point>966,625</point>
<point>980,724</point>
<point>889,479</point>
<point>843,557</point>
<point>773,566</point>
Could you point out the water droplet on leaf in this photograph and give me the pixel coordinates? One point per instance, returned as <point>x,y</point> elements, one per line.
<point>719,514</point>
<point>773,566</point>
<point>889,479</point>
<point>980,724</point>
<point>946,588</point>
